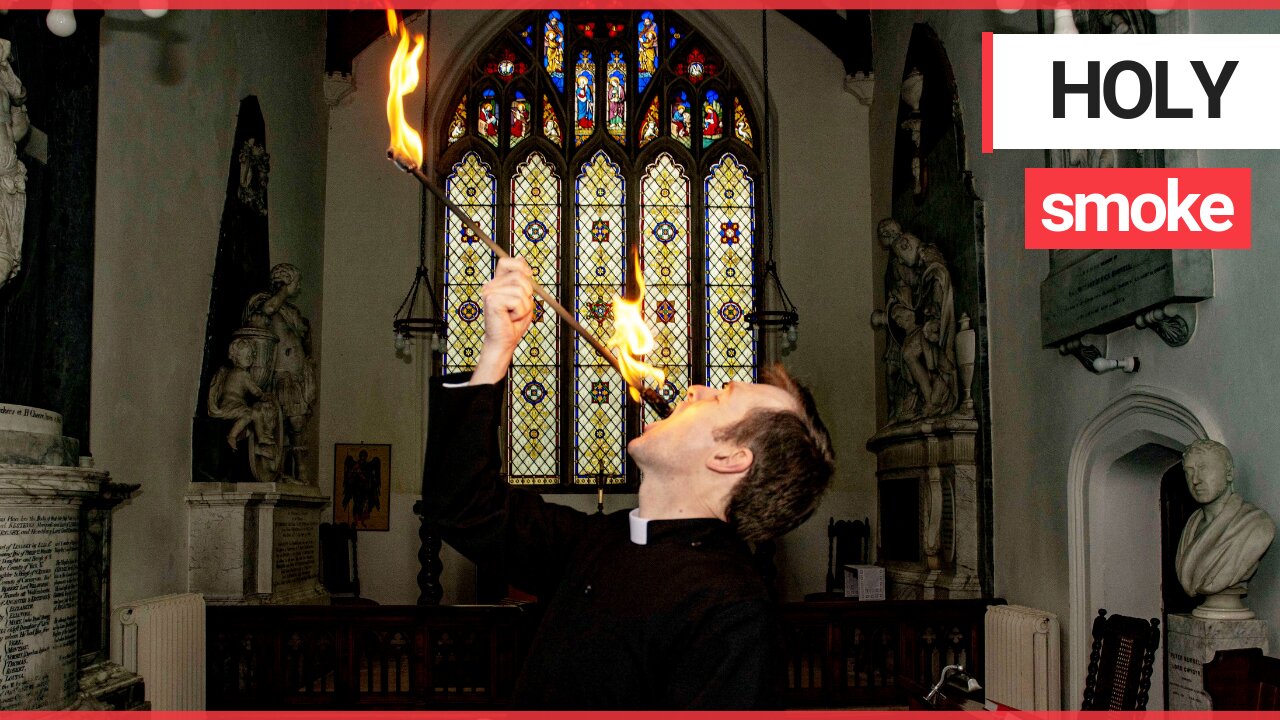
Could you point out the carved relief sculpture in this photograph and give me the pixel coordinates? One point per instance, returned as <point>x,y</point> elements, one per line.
<point>919,314</point>
<point>255,166</point>
<point>912,91</point>
<point>1223,540</point>
<point>14,124</point>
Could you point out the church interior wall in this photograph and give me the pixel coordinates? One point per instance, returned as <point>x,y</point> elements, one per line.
<point>350,222</point>
<point>167,115</point>
<point>1040,400</point>
<point>823,249</point>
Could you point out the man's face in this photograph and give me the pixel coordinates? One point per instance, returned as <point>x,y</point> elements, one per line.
<point>687,439</point>
<point>1206,475</point>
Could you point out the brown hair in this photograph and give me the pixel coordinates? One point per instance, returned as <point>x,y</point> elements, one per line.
<point>791,466</point>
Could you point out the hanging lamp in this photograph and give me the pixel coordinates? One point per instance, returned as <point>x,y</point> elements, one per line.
<point>419,313</point>
<point>786,318</point>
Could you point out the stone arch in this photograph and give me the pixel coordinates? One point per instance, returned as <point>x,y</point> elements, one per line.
<point>1141,425</point>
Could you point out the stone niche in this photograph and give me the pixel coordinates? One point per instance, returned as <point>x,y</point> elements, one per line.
<point>933,480</point>
<point>929,515</point>
<point>255,543</point>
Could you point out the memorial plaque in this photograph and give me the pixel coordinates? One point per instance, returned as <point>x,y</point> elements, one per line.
<point>1192,642</point>
<point>1103,290</point>
<point>39,556</point>
<point>296,537</point>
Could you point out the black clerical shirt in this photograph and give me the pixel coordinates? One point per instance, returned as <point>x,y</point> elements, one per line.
<point>680,621</point>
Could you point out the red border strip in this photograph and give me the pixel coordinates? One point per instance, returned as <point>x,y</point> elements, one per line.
<point>988,99</point>
<point>624,4</point>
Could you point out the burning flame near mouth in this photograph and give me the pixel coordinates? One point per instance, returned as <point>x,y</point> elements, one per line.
<point>631,338</point>
<point>406,143</point>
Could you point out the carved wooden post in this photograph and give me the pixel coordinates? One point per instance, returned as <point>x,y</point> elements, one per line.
<point>429,587</point>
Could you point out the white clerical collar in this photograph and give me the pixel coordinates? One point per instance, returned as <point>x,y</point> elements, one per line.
<point>639,527</point>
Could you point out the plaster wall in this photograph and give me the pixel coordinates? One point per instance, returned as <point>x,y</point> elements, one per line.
<point>170,90</point>
<point>1040,401</point>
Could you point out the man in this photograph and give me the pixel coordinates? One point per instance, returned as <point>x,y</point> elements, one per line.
<point>1223,541</point>
<point>660,607</point>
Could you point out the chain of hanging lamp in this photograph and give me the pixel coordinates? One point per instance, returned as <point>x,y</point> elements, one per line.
<point>406,324</point>
<point>787,317</point>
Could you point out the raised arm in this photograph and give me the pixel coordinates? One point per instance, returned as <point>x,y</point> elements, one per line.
<point>464,492</point>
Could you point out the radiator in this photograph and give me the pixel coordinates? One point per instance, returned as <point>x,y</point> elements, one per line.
<point>1023,658</point>
<point>162,639</point>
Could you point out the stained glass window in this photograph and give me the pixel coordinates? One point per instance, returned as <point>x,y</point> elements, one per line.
<point>521,118</point>
<point>664,239</point>
<point>646,51</point>
<point>741,125</point>
<point>458,126</point>
<point>681,118</point>
<point>616,97</point>
<point>599,393</point>
<point>550,123</point>
<point>712,118</point>
<point>730,241</point>
<point>487,116</point>
<point>533,397</point>
<point>468,264</point>
<point>649,126</point>
<point>584,97</point>
<point>553,49</point>
<point>663,185</point>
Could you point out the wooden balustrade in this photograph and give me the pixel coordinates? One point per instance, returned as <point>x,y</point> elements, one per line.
<point>851,654</point>
<point>382,657</point>
<point>387,657</point>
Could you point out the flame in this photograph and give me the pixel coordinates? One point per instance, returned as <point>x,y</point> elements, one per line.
<point>631,337</point>
<point>406,143</point>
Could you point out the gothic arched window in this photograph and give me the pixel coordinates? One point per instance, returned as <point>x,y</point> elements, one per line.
<point>578,138</point>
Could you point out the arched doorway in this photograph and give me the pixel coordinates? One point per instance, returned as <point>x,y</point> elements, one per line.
<point>1120,523</point>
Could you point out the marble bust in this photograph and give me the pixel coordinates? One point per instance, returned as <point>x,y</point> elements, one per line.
<point>1223,540</point>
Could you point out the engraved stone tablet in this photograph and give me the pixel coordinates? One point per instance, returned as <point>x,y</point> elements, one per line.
<point>296,538</point>
<point>1102,290</point>
<point>21,418</point>
<point>1193,642</point>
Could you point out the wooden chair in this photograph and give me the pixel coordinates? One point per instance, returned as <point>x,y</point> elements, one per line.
<point>848,543</point>
<point>1120,664</point>
<point>1243,680</point>
<point>339,568</point>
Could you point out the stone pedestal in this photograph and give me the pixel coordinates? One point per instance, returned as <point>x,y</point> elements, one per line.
<point>39,578</point>
<point>1193,642</point>
<point>929,522</point>
<point>31,436</point>
<point>255,543</point>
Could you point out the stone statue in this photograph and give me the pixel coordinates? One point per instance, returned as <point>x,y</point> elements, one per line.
<point>14,125</point>
<point>919,314</point>
<point>293,380</point>
<point>1223,540</point>
<point>235,395</point>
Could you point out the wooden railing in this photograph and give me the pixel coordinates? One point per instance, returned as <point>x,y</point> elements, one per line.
<point>383,657</point>
<point>387,657</point>
<point>851,654</point>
